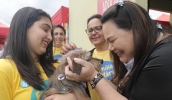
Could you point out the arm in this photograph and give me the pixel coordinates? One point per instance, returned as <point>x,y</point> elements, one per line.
<point>103,88</point>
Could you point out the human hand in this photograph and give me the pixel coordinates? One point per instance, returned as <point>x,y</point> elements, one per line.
<point>68,96</point>
<point>87,73</point>
<point>68,47</point>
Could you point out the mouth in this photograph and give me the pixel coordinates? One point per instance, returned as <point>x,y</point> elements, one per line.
<point>58,41</point>
<point>95,38</point>
<point>119,53</point>
<point>45,43</point>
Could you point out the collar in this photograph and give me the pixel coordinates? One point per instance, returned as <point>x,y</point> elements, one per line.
<point>129,65</point>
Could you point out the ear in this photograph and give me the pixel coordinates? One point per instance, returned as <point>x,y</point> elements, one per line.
<point>76,67</point>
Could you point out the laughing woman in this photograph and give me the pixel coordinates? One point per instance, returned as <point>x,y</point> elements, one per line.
<point>142,54</point>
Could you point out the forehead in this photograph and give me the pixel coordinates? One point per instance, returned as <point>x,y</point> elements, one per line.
<point>57,29</point>
<point>109,28</point>
<point>46,22</point>
<point>94,22</point>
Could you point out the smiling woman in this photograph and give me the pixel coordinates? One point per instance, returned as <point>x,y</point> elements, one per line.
<point>27,60</point>
<point>59,39</point>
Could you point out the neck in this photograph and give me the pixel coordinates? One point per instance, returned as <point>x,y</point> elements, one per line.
<point>102,47</point>
<point>58,46</point>
<point>162,36</point>
<point>35,58</point>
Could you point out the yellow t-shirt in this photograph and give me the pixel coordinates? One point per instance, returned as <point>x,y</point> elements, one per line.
<point>107,70</point>
<point>12,87</point>
<point>56,53</point>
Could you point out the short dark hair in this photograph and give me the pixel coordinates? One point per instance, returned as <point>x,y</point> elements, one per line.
<point>98,16</point>
<point>59,26</point>
<point>17,48</point>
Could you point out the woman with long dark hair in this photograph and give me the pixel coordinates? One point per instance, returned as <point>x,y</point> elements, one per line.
<point>27,60</point>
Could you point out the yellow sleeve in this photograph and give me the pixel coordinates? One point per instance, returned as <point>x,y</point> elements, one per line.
<point>56,64</point>
<point>5,82</point>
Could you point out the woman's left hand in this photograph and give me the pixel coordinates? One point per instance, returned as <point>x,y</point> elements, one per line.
<point>68,96</point>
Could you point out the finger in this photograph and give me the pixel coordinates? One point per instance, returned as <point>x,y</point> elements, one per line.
<point>64,49</point>
<point>80,61</point>
<point>68,73</point>
<point>79,48</point>
<point>69,61</point>
<point>49,97</point>
<point>72,46</point>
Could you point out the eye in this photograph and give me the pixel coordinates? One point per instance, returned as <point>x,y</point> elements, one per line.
<point>45,29</point>
<point>90,30</point>
<point>56,33</point>
<point>61,34</point>
<point>111,41</point>
<point>98,27</point>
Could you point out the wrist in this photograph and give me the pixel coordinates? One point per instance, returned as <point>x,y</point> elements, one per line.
<point>92,77</point>
<point>95,80</point>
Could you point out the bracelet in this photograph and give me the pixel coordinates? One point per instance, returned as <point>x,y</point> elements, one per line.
<point>96,79</point>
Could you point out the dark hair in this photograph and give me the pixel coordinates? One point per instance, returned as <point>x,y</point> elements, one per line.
<point>98,16</point>
<point>59,26</point>
<point>145,33</point>
<point>17,48</point>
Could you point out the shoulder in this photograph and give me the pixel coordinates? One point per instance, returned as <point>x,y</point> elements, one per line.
<point>163,49</point>
<point>7,66</point>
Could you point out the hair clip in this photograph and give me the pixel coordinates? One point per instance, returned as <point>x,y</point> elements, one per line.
<point>61,77</point>
<point>121,2</point>
<point>158,25</point>
<point>76,51</point>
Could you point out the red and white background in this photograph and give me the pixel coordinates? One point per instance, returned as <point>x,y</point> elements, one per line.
<point>161,17</point>
<point>103,5</point>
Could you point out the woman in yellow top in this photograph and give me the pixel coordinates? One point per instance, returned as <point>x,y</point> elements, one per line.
<point>59,39</point>
<point>27,60</point>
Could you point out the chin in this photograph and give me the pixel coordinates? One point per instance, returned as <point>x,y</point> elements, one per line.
<point>96,43</point>
<point>42,52</point>
<point>123,60</point>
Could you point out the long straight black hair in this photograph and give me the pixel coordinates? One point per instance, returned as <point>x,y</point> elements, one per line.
<point>17,48</point>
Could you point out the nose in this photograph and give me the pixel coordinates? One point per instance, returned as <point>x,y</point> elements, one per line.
<point>58,35</point>
<point>111,48</point>
<point>49,36</point>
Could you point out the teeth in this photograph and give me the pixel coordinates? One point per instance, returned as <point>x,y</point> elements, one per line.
<point>45,42</point>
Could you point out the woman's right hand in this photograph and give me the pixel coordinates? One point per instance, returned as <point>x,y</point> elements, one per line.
<point>87,73</point>
<point>68,47</point>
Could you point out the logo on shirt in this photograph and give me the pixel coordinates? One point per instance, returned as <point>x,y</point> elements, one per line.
<point>24,84</point>
<point>107,69</point>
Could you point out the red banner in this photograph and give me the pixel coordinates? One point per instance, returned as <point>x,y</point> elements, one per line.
<point>103,5</point>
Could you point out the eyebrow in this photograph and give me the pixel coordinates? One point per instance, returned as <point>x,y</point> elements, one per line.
<point>95,26</point>
<point>47,25</point>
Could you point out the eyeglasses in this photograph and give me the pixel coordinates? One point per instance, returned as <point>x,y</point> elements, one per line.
<point>95,29</point>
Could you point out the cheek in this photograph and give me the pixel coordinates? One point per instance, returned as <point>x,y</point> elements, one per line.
<point>89,37</point>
